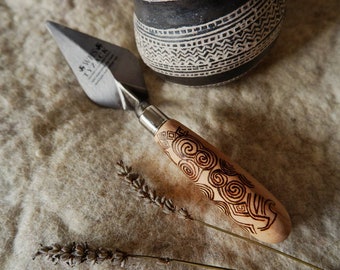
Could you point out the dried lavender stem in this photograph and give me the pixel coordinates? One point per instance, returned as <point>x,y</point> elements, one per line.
<point>144,191</point>
<point>169,260</point>
<point>74,254</point>
<point>126,172</point>
<point>259,244</point>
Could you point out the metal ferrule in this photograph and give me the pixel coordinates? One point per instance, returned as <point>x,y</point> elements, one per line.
<point>151,117</point>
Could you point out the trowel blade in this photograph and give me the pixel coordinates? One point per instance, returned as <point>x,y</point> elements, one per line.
<point>100,67</point>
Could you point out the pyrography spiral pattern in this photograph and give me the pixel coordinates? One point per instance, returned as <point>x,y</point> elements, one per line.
<point>190,169</point>
<point>223,207</point>
<point>233,192</point>
<point>186,146</point>
<point>206,159</point>
<point>217,178</point>
<point>206,190</point>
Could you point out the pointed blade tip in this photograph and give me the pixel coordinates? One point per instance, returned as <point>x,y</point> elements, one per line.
<point>67,41</point>
<point>51,27</point>
<point>49,24</point>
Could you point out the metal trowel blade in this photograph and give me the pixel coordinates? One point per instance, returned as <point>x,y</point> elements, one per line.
<point>100,67</point>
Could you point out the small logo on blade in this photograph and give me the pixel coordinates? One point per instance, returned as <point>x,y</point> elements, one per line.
<point>97,63</point>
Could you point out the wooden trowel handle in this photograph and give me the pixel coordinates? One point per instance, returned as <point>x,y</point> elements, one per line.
<point>241,197</point>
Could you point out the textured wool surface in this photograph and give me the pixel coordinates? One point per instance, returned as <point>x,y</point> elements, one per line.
<point>58,150</point>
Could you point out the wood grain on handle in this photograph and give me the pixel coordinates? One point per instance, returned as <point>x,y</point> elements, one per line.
<point>241,197</point>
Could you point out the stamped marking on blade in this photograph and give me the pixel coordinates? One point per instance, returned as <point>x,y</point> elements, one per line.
<point>99,66</point>
<point>97,63</point>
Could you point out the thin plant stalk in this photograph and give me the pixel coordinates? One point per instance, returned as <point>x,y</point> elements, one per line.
<point>139,184</point>
<point>73,254</point>
<point>185,262</point>
<point>259,244</point>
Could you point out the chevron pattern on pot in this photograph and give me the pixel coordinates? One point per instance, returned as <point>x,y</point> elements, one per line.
<point>214,47</point>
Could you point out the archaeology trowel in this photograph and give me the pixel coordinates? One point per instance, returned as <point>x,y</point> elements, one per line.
<point>111,77</point>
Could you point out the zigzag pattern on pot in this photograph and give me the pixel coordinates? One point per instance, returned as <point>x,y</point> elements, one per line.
<point>214,47</point>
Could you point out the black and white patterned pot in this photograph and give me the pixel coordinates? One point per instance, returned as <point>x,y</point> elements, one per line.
<point>205,41</point>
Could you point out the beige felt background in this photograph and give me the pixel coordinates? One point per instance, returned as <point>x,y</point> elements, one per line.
<point>58,150</point>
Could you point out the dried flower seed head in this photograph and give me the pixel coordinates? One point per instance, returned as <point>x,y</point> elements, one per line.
<point>44,250</point>
<point>119,258</point>
<point>68,248</point>
<point>183,213</point>
<point>138,183</point>
<point>76,253</point>
<point>80,249</point>
<point>91,256</point>
<point>169,205</point>
<point>132,176</point>
<point>56,248</point>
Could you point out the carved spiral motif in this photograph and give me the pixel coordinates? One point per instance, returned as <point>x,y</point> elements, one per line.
<point>202,165</point>
<point>233,192</point>
<point>189,147</point>
<point>206,159</point>
<point>186,146</point>
<point>217,178</point>
<point>206,190</point>
<point>190,169</point>
<point>223,207</point>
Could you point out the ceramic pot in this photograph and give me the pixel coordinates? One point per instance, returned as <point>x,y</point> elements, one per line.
<point>200,42</point>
